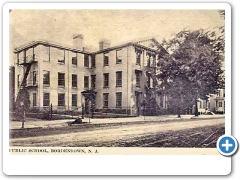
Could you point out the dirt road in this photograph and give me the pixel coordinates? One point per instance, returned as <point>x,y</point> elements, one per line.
<point>119,135</point>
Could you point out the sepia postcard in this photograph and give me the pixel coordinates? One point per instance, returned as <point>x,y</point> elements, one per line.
<point>117,81</point>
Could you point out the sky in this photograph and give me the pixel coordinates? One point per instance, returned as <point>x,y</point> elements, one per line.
<point>117,26</point>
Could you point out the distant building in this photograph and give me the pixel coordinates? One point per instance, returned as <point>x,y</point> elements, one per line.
<point>217,102</point>
<point>112,78</point>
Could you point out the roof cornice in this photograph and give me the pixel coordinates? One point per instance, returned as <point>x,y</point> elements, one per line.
<point>35,43</point>
<point>46,43</point>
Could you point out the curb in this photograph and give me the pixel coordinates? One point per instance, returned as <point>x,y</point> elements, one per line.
<point>201,118</point>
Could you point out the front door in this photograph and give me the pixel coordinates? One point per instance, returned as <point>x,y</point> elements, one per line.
<point>137,96</point>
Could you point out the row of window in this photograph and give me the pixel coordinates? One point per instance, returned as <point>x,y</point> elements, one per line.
<point>138,58</point>
<point>106,59</point>
<point>61,99</point>
<point>61,59</point>
<point>118,79</point>
<point>86,61</point>
<point>119,58</point>
<point>60,56</point>
<point>33,80</point>
<point>150,58</point>
<point>118,99</point>
<point>61,79</point>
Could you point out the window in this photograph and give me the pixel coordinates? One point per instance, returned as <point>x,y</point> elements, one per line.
<point>61,57</point>
<point>74,60</point>
<point>119,56</point>
<point>46,53</point>
<point>220,104</point>
<point>148,60</point>
<point>118,99</point>
<point>46,99</point>
<point>34,99</point>
<point>74,99</point>
<point>105,59</point>
<point>151,61</point>
<point>93,81</point>
<point>149,82</point>
<point>61,79</point>
<point>46,78</point>
<point>105,100</point>
<point>74,80</point>
<point>106,80</point>
<point>93,61</point>
<point>34,78</point>
<point>138,79</point>
<point>61,99</point>
<point>220,93</point>
<point>86,82</point>
<point>138,58</point>
<point>119,78</point>
<point>86,60</point>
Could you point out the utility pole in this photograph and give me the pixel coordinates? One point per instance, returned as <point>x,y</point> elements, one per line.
<point>23,119</point>
<point>51,112</point>
<point>82,111</point>
<point>179,114</point>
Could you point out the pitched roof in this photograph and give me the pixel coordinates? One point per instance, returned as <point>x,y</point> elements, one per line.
<point>136,43</point>
<point>34,43</point>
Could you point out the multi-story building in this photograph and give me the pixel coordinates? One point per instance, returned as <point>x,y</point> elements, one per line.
<point>113,78</point>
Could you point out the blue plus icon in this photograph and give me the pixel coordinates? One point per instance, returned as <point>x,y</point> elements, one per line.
<point>227,145</point>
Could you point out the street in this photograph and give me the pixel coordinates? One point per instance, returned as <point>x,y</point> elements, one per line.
<point>186,133</point>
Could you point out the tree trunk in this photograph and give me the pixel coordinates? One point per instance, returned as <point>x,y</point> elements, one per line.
<point>179,113</point>
<point>144,110</point>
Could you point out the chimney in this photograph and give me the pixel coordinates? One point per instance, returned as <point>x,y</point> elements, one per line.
<point>104,44</point>
<point>78,41</point>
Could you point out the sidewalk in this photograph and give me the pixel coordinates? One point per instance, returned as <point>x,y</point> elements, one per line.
<point>36,123</point>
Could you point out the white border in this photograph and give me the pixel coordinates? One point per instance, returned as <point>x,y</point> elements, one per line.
<point>120,164</point>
